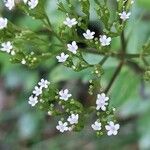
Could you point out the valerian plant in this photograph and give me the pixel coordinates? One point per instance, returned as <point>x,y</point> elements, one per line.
<point>70,47</point>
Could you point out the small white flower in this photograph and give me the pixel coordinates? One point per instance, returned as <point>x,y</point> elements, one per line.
<point>33,100</point>
<point>33,3</point>
<point>62,58</point>
<point>62,126</point>
<point>3,23</point>
<point>73,47</point>
<point>6,47</point>
<point>101,101</point>
<point>104,40</point>
<point>64,94</point>
<point>112,128</point>
<point>10,4</point>
<point>37,91</point>
<point>70,22</point>
<point>73,119</point>
<point>124,15</point>
<point>43,83</point>
<point>23,61</point>
<point>89,35</point>
<point>96,126</point>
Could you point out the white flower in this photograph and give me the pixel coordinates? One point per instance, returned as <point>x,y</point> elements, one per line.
<point>9,4</point>
<point>6,47</point>
<point>70,22</point>
<point>101,101</point>
<point>96,126</point>
<point>112,128</point>
<point>23,61</point>
<point>33,3</point>
<point>33,100</point>
<point>73,47</point>
<point>64,94</point>
<point>88,35</point>
<point>37,91</point>
<point>124,15</point>
<point>62,58</point>
<point>3,23</point>
<point>43,83</point>
<point>104,40</point>
<point>73,119</point>
<point>62,126</point>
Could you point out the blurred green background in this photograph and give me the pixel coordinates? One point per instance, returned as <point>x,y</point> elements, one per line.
<point>23,127</point>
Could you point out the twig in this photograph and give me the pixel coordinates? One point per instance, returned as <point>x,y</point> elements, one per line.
<point>115,75</point>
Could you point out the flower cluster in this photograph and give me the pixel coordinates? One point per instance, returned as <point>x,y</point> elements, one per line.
<point>72,120</point>
<point>33,99</point>
<point>48,99</point>
<point>88,35</point>
<point>10,4</point>
<point>112,129</point>
<point>102,102</point>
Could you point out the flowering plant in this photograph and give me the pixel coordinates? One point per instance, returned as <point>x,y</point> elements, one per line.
<point>73,39</point>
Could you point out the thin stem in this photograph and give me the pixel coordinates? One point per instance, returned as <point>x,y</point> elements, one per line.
<point>103,60</point>
<point>115,75</point>
<point>52,31</point>
<point>123,42</point>
<point>113,54</point>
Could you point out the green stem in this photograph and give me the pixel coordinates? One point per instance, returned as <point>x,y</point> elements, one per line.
<point>51,30</point>
<point>115,75</point>
<point>113,54</point>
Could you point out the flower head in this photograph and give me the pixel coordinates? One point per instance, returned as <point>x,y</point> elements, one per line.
<point>33,100</point>
<point>73,119</point>
<point>37,91</point>
<point>96,126</point>
<point>124,15</point>
<point>3,23</point>
<point>89,35</point>
<point>33,3</point>
<point>62,127</point>
<point>101,101</point>
<point>73,47</point>
<point>43,83</point>
<point>6,47</point>
<point>104,40</point>
<point>10,4</point>
<point>70,22</point>
<point>62,58</point>
<point>112,128</point>
<point>64,94</point>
